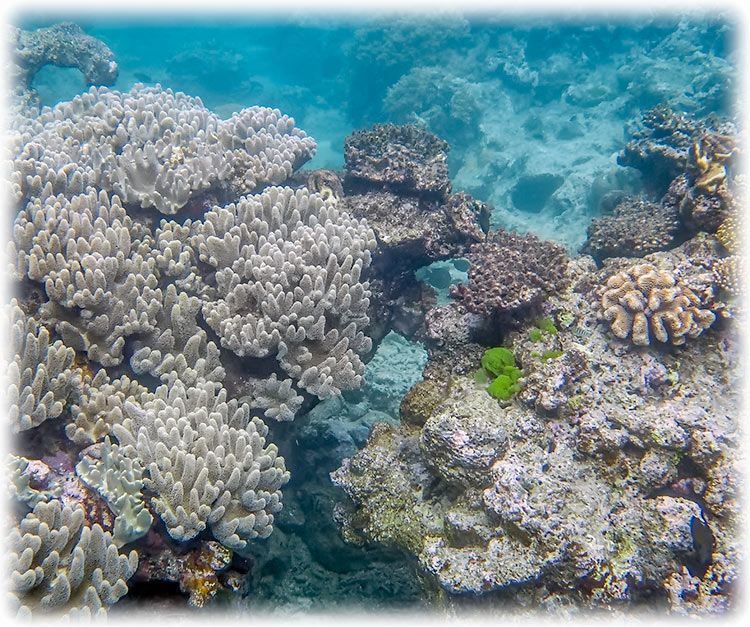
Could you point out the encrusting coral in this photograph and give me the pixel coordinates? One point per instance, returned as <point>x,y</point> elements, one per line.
<point>635,228</point>
<point>510,272</point>
<point>645,303</point>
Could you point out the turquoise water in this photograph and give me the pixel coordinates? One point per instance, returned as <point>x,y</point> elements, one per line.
<point>514,98</point>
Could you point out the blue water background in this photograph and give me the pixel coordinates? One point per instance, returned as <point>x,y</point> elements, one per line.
<point>535,109</point>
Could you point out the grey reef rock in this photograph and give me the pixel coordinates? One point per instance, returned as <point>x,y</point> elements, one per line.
<point>610,480</point>
<point>396,178</point>
<point>398,157</point>
<point>64,45</point>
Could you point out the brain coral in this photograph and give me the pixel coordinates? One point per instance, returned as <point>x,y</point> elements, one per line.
<point>646,303</point>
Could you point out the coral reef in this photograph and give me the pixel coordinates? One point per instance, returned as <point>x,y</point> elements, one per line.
<point>398,158</point>
<point>661,145</point>
<point>207,462</point>
<point>41,374</point>
<point>448,105</point>
<point>176,281</point>
<point>416,231</point>
<point>57,563</point>
<point>606,479</point>
<point>635,228</point>
<point>510,272</point>
<point>645,303</point>
<point>287,284</point>
<point>131,338</point>
<point>118,480</point>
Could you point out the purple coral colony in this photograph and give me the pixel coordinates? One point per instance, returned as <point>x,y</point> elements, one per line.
<point>186,298</point>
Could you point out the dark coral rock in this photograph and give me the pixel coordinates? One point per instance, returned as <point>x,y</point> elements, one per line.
<point>635,228</point>
<point>420,402</point>
<point>699,209</point>
<point>413,232</point>
<point>659,148</point>
<point>400,158</point>
<point>670,145</point>
<point>510,272</point>
<point>324,182</point>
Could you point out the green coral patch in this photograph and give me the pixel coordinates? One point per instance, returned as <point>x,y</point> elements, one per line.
<point>546,324</point>
<point>495,359</point>
<point>503,387</point>
<point>547,355</point>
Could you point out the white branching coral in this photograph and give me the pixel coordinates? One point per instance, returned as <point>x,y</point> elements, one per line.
<point>288,284</point>
<point>276,276</point>
<point>118,480</point>
<point>58,564</point>
<point>153,147</point>
<point>99,405</point>
<point>178,347</point>
<point>206,459</point>
<point>97,268</point>
<point>41,375</point>
<point>646,303</point>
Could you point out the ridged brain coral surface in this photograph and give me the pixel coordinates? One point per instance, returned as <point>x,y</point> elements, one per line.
<point>648,304</point>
